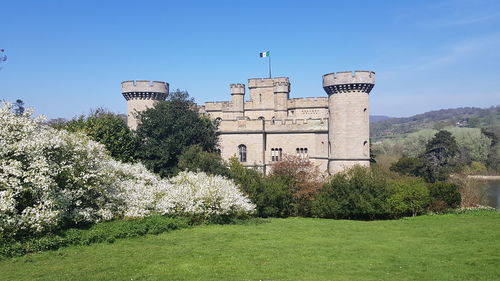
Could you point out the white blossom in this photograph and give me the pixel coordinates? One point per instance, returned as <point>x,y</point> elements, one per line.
<point>51,177</point>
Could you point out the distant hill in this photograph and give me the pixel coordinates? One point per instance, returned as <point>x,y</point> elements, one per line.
<point>377,118</point>
<point>460,117</point>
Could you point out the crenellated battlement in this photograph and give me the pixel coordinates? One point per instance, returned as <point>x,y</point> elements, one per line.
<point>281,85</point>
<point>217,105</point>
<point>348,81</point>
<point>144,90</point>
<point>276,125</point>
<point>307,102</point>
<point>260,82</point>
<point>144,86</point>
<point>237,89</point>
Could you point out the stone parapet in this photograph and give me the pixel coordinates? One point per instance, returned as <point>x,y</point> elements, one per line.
<point>237,89</point>
<point>260,82</point>
<point>281,85</point>
<point>307,102</point>
<point>277,125</point>
<point>348,81</point>
<point>145,89</point>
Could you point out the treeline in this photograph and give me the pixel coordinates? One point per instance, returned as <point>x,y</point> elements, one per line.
<point>462,117</point>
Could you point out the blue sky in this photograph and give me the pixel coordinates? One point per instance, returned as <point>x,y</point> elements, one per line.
<point>66,57</point>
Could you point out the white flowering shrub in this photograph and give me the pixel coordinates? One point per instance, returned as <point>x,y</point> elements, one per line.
<point>199,193</point>
<point>51,178</point>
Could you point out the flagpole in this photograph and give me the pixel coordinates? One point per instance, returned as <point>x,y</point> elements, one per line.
<point>270,66</point>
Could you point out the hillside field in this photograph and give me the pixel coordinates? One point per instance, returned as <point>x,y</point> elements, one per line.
<point>444,247</point>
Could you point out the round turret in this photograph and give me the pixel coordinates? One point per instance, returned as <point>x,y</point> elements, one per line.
<point>141,95</point>
<point>237,89</point>
<point>281,88</point>
<point>348,105</point>
<point>238,99</point>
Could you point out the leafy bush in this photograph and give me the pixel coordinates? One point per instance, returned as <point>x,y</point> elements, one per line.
<point>106,232</point>
<point>108,129</point>
<point>304,180</point>
<point>409,197</point>
<point>408,166</point>
<point>445,192</point>
<point>194,159</point>
<point>355,194</point>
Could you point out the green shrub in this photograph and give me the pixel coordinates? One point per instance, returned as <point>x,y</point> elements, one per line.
<point>355,194</point>
<point>409,197</point>
<point>194,159</point>
<point>408,166</point>
<point>446,192</point>
<point>101,232</point>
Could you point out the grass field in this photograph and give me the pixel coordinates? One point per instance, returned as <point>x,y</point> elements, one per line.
<point>447,247</point>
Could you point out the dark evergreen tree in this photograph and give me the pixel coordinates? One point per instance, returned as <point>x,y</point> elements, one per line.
<point>440,157</point>
<point>166,130</point>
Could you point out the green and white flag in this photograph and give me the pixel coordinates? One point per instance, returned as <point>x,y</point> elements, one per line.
<point>264,54</point>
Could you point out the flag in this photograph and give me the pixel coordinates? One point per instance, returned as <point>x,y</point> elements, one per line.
<point>264,54</point>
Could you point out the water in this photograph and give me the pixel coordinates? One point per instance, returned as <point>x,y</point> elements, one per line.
<point>493,193</point>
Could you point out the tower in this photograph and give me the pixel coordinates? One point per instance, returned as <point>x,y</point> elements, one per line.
<point>238,98</point>
<point>281,95</point>
<point>141,95</point>
<point>348,129</point>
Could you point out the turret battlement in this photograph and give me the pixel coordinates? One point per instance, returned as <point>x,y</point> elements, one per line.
<point>145,89</point>
<point>346,81</point>
<point>237,89</point>
<point>281,85</point>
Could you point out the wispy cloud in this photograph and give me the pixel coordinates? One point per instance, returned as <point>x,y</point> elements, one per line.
<point>457,53</point>
<point>459,21</point>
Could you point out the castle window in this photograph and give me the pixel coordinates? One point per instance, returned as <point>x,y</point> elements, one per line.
<point>242,150</point>
<point>276,154</point>
<point>302,153</point>
<point>365,143</point>
<point>260,97</point>
<point>261,118</point>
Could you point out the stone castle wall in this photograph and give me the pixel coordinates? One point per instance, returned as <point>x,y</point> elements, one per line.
<point>332,132</point>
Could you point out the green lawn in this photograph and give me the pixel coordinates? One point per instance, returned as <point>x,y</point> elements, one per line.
<point>447,247</point>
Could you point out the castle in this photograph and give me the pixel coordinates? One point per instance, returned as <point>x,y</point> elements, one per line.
<point>332,132</point>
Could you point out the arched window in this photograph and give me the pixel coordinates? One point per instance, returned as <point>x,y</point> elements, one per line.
<point>242,150</point>
<point>217,121</point>
<point>261,118</point>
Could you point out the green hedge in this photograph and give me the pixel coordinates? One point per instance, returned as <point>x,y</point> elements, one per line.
<point>98,233</point>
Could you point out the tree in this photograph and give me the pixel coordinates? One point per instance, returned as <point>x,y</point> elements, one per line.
<point>414,143</point>
<point>166,130</point>
<point>409,166</point>
<point>472,144</point>
<point>439,157</point>
<point>107,128</point>
<point>303,179</point>
<point>19,107</point>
